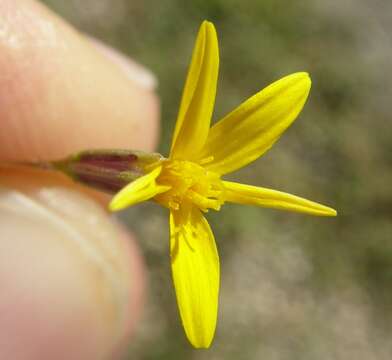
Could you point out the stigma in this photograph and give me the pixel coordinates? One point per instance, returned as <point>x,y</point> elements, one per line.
<point>189,182</point>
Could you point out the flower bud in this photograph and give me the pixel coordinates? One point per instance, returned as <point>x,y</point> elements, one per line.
<point>106,170</point>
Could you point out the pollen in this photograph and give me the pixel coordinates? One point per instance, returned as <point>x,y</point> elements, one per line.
<point>189,182</point>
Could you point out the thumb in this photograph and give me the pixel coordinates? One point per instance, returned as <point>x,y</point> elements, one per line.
<point>70,278</point>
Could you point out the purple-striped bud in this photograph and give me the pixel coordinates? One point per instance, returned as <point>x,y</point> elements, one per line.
<point>107,170</point>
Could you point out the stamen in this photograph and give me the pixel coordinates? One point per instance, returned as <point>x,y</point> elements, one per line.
<point>174,205</point>
<point>188,181</point>
<point>203,202</point>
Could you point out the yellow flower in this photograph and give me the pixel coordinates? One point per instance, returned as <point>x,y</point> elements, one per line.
<point>189,181</point>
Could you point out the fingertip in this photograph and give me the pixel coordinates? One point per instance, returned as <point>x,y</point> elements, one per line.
<point>135,71</point>
<point>59,94</point>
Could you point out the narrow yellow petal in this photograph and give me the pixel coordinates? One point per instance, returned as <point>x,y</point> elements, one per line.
<point>195,269</point>
<point>252,128</point>
<point>198,97</point>
<point>253,195</point>
<point>141,189</point>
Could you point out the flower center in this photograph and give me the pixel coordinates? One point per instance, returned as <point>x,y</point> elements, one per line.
<point>189,182</point>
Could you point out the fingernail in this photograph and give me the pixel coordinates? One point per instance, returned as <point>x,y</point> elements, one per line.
<point>65,276</point>
<point>135,71</point>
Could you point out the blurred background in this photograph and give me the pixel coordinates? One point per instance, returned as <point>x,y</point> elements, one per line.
<point>293,286</point>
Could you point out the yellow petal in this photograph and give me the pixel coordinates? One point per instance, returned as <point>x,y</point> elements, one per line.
<point>252,128</point>
<point>141,189</point>
<point>253,195</point>
<point>195,269</point>
<point>198,97</point>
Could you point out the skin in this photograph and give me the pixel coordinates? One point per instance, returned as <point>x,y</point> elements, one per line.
<point>71,279</point>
